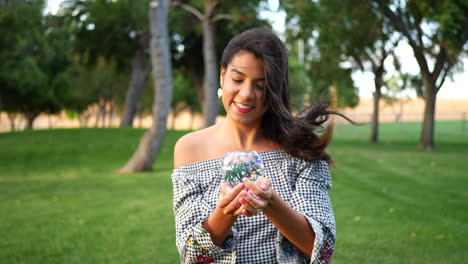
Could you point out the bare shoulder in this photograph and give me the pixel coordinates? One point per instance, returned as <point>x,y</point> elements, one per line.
<point>189,148</point>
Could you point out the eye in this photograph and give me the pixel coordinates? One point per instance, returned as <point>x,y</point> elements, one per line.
<point>237,80</point>
<point>259,86</point>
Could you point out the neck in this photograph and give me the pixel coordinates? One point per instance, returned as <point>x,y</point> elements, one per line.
<point>242,136</point>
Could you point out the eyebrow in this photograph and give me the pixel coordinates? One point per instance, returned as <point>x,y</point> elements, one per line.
<point>243,74</point>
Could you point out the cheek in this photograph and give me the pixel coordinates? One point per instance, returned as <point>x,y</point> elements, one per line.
<point>260,97</point>
<point>225,97</point>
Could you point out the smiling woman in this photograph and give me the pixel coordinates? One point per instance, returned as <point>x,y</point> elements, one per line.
<point>285,217</point>
<point>242,82</point>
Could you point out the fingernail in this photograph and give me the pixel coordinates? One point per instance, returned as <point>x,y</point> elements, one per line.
<point>264,186</point>
<point>245,179</point>
<point>254,196</point>
<point>242,200</point>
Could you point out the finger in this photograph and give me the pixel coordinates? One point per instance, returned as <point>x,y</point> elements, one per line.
<point>230,195</point>
<point>257,189</point>
<point>234,204</point>
<point>255,202</point>
<point>225,188</point>
<point>248,210</point>
<point>239,211</point>
<point>264,183</point>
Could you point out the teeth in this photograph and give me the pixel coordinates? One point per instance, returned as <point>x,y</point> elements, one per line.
<point>243,106</point>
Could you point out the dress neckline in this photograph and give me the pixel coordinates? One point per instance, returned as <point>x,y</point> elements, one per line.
<point>265,155</point>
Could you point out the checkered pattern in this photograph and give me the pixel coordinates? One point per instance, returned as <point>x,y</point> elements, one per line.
<point>302,184</point>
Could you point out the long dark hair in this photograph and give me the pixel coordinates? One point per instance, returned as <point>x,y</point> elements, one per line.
<point>297,135</point>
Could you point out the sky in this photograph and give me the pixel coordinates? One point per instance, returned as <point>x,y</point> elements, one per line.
<point>452,89</point>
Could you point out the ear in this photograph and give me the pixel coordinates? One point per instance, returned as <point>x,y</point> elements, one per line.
<point>222,73</point>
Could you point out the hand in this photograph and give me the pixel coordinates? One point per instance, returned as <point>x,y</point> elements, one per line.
<point>256,198</point>
<point>229,199</point>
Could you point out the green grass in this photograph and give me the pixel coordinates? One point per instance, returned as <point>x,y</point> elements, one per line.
<point>62,201</point>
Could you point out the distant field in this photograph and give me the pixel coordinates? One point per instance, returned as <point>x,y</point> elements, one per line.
<point>61,200</point>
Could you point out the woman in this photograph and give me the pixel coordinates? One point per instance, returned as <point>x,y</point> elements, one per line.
<point>285,217</point>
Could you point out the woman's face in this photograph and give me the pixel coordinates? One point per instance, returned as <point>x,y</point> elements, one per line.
<point>243,83</point>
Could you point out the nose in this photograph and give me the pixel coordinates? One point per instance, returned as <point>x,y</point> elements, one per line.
<point>247,90</point>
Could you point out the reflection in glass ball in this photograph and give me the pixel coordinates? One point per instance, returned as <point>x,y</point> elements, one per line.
<point>240,164</point>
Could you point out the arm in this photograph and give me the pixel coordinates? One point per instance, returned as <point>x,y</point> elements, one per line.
<point>221,220</point>
<point>307,220</point>
<point>203,231</point>
<point>293,225</point>
<point>195,217</point>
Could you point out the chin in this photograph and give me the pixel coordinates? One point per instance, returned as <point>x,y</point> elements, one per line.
<point>246,121</point>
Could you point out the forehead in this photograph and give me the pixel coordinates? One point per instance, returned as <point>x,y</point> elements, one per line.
<point>247,63</point>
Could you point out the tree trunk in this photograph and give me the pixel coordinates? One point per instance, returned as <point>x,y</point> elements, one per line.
<point>378,82</point>
<point>113,114</point>
<point>30,117</point>
<point>1,108</point>
<point>192,118</point>
<point>81,120</point>
<point>210,82</point>
<point>103,113</point>
<point>174,116</point>
<point>98,115</point>
<point>140,73</point>
<point>140,118</point>
<point>426,140</point>
<point>150,143</point>
<point>84,118</point>
<point>49,117</point>
<point>11,117</point>
<point>374,137</point>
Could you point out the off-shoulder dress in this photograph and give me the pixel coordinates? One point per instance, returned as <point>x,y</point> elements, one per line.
<point>302,184</point>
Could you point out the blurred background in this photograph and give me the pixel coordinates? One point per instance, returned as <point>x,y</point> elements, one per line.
<point>80,98</point>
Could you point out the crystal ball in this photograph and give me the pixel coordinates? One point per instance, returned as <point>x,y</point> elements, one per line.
<point>242,164</point>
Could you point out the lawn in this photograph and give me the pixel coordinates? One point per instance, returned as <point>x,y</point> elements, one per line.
<point>62,201</point>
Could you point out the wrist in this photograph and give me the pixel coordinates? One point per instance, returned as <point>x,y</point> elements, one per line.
<point>218,225</point>
<point>269,208</point>
<point>227,217</point>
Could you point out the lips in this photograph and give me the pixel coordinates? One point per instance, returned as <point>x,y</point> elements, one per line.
<point>243,108</point>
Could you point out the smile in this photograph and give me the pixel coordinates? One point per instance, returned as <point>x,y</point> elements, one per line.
<point>243,108</point>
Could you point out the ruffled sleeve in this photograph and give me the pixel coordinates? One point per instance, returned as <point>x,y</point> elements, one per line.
<point>193,202</point>
<point>310,198</point>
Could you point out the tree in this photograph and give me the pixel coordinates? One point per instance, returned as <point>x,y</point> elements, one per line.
<point>395,85</point>
<point>34,54</point>
<point>437,32</point>
<point>89,85</point>
<point>151,141</point>
<point>184,96</point>
<point>322,53</point>
<point>349,32</point>
<point>210,80</point>
<point>117,31</point>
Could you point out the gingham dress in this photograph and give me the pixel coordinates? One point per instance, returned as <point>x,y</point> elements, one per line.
<point>302,184</point>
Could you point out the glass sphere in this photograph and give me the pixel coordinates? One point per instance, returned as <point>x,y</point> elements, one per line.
<point>242,164</point>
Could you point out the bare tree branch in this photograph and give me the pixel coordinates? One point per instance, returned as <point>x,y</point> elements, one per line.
<point>442,80</point>
<point>441,59</point>
<point>222,16</point>
<point>190,9</point>
<point>210,6</point>
<point>367,54</point>
<point>358,61</point>
<point>398,23</point>
<point>419,31</point>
